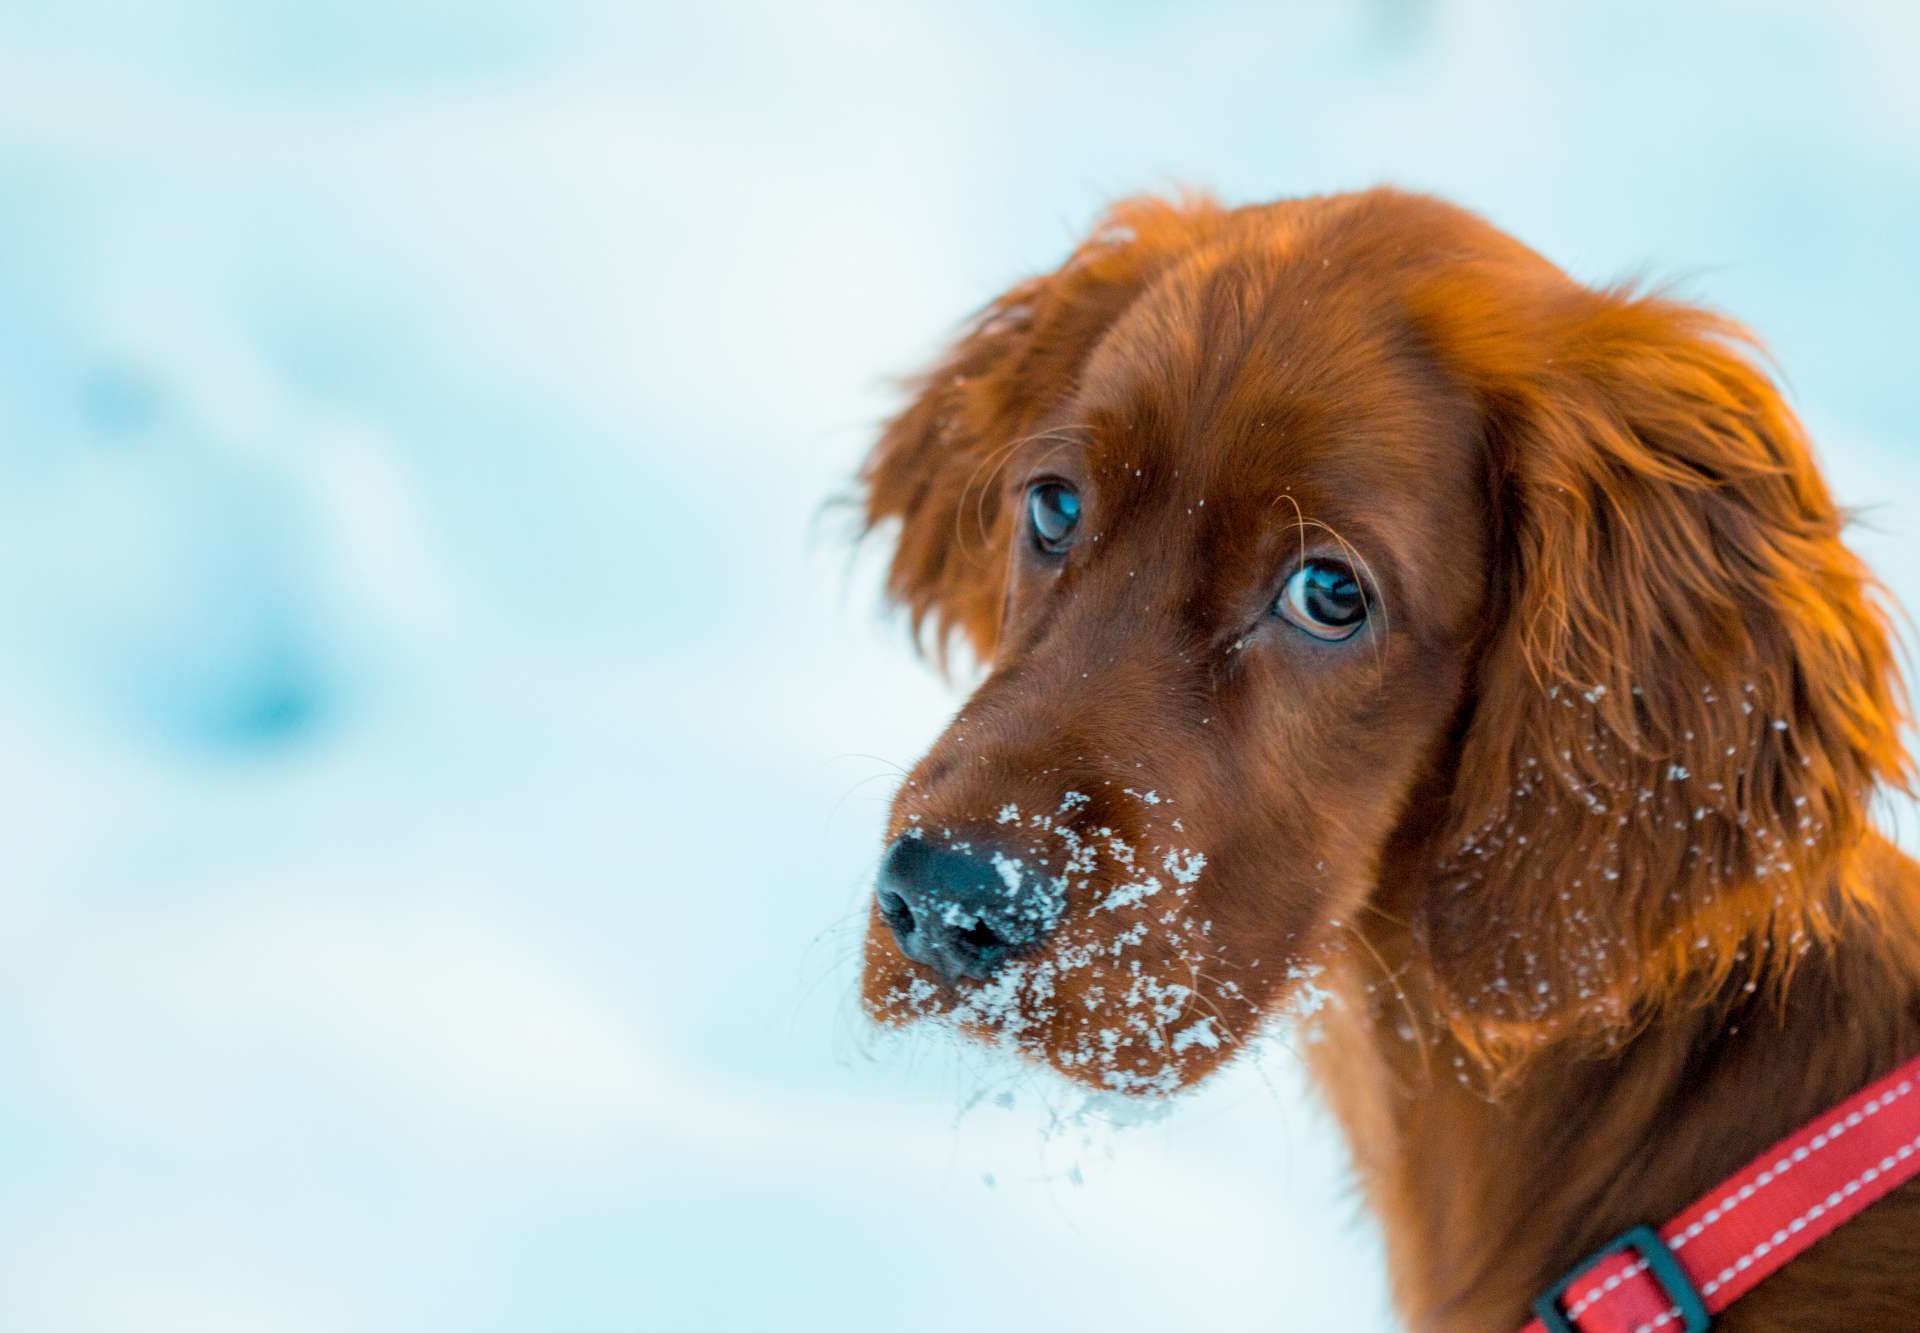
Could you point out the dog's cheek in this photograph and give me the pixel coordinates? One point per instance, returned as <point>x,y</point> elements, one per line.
<point>1143,1004</point>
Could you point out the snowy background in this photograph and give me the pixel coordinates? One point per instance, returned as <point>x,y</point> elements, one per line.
<point>442,743</point>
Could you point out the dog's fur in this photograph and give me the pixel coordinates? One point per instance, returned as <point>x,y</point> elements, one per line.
<point>1569,847</point>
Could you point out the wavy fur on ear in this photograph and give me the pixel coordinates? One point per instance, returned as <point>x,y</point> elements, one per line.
<point>1690,696</point>
<point>935,468</point>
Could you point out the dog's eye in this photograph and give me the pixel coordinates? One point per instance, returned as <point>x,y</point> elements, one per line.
<point>1053,511</point>
<point>1324,599</point>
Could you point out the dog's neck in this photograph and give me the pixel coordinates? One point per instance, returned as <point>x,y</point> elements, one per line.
<point>1491,1184</point>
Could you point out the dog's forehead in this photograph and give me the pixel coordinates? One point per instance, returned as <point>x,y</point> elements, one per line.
<point>1243,379</point>
<point>1283,355</point>
<point>1244,401</point>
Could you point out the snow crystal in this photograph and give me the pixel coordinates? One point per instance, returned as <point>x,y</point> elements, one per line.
<point>1185,867</point>
<point>1199,1033</point>
<point>1008,868</point>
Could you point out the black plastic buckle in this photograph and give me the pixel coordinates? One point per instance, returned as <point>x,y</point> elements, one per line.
<point>1666,1271</point>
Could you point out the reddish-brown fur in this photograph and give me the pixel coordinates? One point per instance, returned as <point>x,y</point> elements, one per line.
<point>1575,839</point>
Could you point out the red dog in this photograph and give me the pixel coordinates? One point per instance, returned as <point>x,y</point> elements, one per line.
<point>1376,613</point>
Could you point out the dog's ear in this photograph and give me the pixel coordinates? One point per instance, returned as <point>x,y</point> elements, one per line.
<point>936,467</point>
<point>1689,695</point>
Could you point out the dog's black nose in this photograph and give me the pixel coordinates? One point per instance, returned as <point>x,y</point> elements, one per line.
<point>963,909</point>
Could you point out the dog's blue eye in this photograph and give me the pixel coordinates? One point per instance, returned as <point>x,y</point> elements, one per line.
<point>1324,599</point>
<point>1053,511</point>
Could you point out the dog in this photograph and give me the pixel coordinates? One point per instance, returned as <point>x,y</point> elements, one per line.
<point>1381,623</point>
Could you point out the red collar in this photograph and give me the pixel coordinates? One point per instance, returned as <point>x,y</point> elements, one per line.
<point>1754,1223</point>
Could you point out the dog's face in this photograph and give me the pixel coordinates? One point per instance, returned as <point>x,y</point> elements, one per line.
<point>1244,556</point>
<point>1228,505</point>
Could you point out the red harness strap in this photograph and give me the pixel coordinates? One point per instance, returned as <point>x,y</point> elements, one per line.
<point>1675,1279</point>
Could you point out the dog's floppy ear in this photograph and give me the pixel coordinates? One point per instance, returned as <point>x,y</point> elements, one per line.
<point>1690,695</point>
<point>935,468</point>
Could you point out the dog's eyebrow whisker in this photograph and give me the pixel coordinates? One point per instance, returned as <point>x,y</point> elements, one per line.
<point>1386,618</point>
<point>1299,520</point>
<point>978,487</point>
<point>1359,562</point>
<point>1302,523</point>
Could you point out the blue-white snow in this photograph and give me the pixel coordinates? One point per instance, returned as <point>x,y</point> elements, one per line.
<point>444,745</point>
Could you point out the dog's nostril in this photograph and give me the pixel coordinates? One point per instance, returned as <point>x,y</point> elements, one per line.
<point>894,909</point>
<point>980,937</point>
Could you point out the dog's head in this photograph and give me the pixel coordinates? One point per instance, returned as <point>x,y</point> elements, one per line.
<point>1342,557</point>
